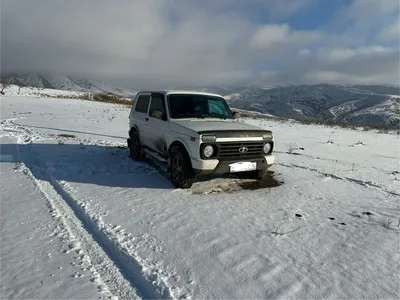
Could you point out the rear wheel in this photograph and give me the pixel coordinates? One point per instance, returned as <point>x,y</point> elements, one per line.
<point>181,171</point>
<point>135,148</point>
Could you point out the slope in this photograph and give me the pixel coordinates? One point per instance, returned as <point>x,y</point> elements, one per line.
<point>358,105</point>
<point>60,82</point>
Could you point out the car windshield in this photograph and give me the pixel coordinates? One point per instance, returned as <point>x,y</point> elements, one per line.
<point>198,106</point>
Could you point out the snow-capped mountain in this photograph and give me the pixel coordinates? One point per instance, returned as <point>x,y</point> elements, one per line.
<point>363,105</point>
<point>60,82</point>
<point>367,105</point>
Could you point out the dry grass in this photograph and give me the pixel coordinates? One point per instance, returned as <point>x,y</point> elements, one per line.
<point>98,97</point>
<point>66,135</point>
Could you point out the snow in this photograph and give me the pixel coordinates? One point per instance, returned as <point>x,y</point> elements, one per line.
<point>232,96</point>
<point>328,228</point>
<point>60,82</point>
<point>299,111</point>
<point>32,258</point>
<point>14,90</point>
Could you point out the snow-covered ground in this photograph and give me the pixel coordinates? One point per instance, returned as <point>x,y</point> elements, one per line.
<point>80,220</point>
<point>61,82</point>
<point>27,91</point>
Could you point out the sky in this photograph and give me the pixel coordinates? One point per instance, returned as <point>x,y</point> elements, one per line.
<point>193,43</point>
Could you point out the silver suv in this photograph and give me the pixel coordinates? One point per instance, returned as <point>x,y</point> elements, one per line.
<point>196,133</point>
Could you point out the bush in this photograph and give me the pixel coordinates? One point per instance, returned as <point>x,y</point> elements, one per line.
<point>111,98</point>
<point>100,97</point>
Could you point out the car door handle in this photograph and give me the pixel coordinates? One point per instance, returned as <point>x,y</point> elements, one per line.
<point>146,119</point>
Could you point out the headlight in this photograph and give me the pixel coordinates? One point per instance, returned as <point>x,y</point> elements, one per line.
<point>267,136</point>
<point>267,148</point>
<point>208,151</point>
<point>208,138</point>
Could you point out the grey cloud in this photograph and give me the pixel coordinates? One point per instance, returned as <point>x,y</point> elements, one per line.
<point>164,42</point>
<point>375,67</point>
<point>133,39</point>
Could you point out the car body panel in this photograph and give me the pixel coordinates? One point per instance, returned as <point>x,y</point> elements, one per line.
<point>212,124</point>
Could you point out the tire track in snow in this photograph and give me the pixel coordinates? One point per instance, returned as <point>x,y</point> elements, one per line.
<point>91,255</point>
<point>354,180</point>
<point>140,271</point>
<point>12,129</point>
<point>150,286</point>
<point>126,273</point>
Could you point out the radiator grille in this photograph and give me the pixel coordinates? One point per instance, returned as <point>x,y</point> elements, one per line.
<point>232,150</point>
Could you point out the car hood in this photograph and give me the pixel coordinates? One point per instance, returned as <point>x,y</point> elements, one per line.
<point>212,125</point>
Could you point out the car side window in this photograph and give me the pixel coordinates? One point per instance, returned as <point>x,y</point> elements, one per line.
<point>142,104</point>
<point>157,106</point>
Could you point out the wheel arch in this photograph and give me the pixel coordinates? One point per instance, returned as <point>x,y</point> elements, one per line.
<point>134,128</point>
<point>181,145</point>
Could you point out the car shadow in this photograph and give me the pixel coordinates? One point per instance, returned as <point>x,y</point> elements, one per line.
<point>88,164</point>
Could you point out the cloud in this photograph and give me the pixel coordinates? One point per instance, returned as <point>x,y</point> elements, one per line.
<point>391,32</point>
<point>340,55</point>
<point>283,9</point>
<point>366,18</point>
<point>169,43</point>
<point>373,64</point>
<point>280,35</point>
<point>132,41</point>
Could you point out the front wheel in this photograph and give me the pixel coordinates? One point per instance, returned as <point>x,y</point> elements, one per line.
<point>260,174</point>
<point>181,171</point>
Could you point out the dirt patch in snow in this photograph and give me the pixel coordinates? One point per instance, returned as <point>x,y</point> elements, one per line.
<point>233,184</point>
<point>269,181</point>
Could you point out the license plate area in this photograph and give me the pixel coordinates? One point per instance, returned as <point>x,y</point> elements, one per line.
<point>243,166</point>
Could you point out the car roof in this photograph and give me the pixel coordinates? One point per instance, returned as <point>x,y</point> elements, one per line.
<point>170,92</point>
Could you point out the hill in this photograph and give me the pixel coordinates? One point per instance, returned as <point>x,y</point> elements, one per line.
<point>358,105</point>
<point>60,82</point>
<point>365,105</point>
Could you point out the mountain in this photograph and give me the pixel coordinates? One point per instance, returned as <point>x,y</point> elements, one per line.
<point>60,82</point>
<point>361,105</point>
<point>364,105</point>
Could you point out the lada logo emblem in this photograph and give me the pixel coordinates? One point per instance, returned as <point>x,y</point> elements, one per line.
<point>243,149</point>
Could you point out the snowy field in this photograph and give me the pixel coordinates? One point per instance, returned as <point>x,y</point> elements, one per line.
<point>80,220</point>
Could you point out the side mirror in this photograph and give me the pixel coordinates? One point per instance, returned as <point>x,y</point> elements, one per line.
<point>236,115</point>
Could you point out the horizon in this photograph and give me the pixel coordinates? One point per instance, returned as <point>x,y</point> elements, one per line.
<point>198,44</point>
<point>233,85</point>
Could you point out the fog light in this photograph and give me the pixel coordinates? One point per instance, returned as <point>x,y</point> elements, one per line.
<point>208,151</point>
<point>267,148</point>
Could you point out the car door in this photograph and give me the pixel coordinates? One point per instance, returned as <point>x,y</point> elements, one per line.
<point>157,123</point>
<point>141,117</point>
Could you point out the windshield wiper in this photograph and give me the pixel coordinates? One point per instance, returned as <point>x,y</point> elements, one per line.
<point>214,115</point>
<point>196,115</point>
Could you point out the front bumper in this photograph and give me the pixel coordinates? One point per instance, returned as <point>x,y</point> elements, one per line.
<point>215,166</point>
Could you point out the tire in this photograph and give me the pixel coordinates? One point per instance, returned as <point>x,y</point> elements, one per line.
<point>135,148</point>
<point>260,174</point>
<point>182,175</point>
